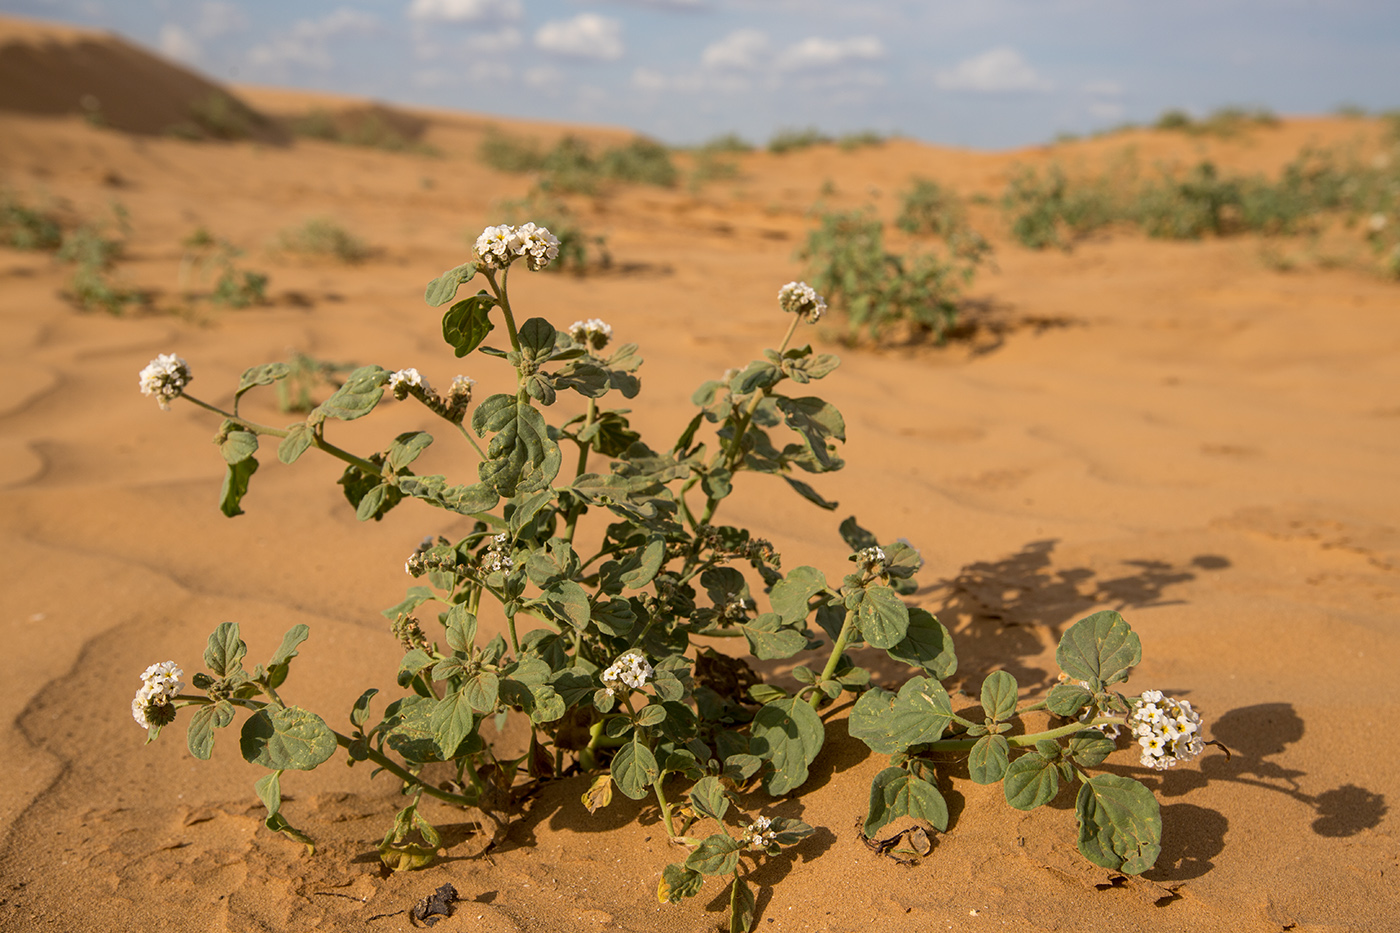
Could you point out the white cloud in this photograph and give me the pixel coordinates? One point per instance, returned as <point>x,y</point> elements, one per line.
<point>219,19</point>
<point>831,53</point>
<point>1001,69</point>
<point>176,43</point>
<point>305,43</point>
<point>504,39</point>
<point>466,11</point>
<point>744,49</point>
<point>587,35</point>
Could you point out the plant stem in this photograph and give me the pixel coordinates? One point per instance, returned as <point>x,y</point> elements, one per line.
<point>665,806</point>
<point>583,448</point>
<point>847,626</point>
<point>504,301</point>
<point>316,439</point>
<point>1021,741</point>
<point>468,435</point>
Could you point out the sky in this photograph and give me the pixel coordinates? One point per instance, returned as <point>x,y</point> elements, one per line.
<point>981,73</point>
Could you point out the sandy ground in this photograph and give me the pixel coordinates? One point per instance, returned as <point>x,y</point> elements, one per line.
<point>1174,430</point>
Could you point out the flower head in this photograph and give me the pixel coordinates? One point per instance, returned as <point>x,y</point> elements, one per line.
<point>1167,729</point>
<point>760,835</point>
<point>592,333</point>
<point>160,683</point>
<point>499,246</point>
<point>871,558</point>
<point>801,298</point>
<point>165,377</point>
<point>630,669</point>
<point>497,558</point>
<point>400,382</point>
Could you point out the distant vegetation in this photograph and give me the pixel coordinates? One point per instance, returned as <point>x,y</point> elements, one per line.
<point>370,129</point>
<point>209,257</point>
<point>570,165</point>
<point>25,227</point>
<point>94,249</point>
<point>1223,122</point>
<point>320,238</point>
<point>217,116</point>
<point>580,250</point>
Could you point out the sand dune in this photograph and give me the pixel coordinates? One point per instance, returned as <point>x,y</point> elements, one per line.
<point>1199,441</point>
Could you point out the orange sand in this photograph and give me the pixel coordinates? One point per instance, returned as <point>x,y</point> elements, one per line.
<point>1207,445</point>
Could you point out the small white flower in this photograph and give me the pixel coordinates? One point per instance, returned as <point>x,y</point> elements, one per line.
<point>871,557</point>
<point>160,683</point>
<point>592,333</point>
<point>1377,222</point>
<point>759,835</point>
<point>630,669</point>
<point>401,380</point>
<point>499,246</point>
<point>801,298</point>
<point>538,246</point>
<point>1166,729</point>
<point>461,388</point>
<point>165,377</point>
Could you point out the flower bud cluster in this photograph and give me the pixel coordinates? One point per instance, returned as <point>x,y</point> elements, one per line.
<point>408,382</point>
<point>592,333</point>
<point>630,669</point>
<point>497,557</point>
<point>159,685</point>
<point>760,835</point>
<point>871,559</point>
<point>801,298</point>
<point>498,247</point>
<point>1168,730</point>
<point>165,377</point>
<point>423,560</point>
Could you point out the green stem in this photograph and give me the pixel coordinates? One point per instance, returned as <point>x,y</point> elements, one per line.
<point>847,627</point>
<point>665,806</point>
<point>316,439</point>
<point>504,301</point>
<point>583,449</point>
<point>468,435</point>
<point>252,426</point>
<point>1021,741</point>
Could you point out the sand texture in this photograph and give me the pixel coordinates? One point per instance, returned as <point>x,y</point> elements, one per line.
<point>1173,430</point>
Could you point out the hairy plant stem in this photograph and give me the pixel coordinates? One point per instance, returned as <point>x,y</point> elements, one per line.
<point>504,301</point>
<point>371,754</point>
<point>847,626</point>
<point>468,435</point>
<point>317,440</point>
<point>665,806</point>
<point>1021,741</point>
<point>583,449</point>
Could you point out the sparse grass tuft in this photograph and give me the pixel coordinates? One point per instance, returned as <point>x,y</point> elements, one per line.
<point>790,140</point>
<point>324,239</point>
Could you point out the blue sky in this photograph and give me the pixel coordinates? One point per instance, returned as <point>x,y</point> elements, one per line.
<point>984,73</point>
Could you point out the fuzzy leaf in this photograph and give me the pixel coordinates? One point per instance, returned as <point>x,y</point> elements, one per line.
<point>264,375</point>
<point>884,619</point>
<point>296,442</point>
<point>928,645</point>
<point>599,793</point>
<point>1068,699</point>
<point>634,768</point>
<point>1120,824</point>
<point>816,420</point>
<point>788,734</point>
<point>443,289</point>
<point>356,398</point>
<point>717,854</point>
<point>1089,748</point>
<point>269,791</point>
<point>1030,781</point>
<point>285,739</point>
<point>1099,649</point>
<point>406,448</point>
<point>238,446</point>
<point>224,653</point>
<point>236,476</point>
<point>987,762</point>
<point>791,595</point>
<point>521,456</point>
<point>742,906</point>
<point>678,882</point>
<point>999,695</point>
<point>708,798</point>
<point>466,324</point>
<point>810,494</point>
<point>895,792</point>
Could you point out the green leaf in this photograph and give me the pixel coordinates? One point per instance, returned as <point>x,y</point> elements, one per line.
<point>359,713</point>
<point>1068,699</point>
<point>408,729</point>
<point>238,445</point>
<point>756,375</point>
<point>482,691</point>
<point>742,906</point>
<point>987,762</point>
<point>413,661</point>
<point>236,476</point>
<point>568,602</point>
<point>200,735</point>
<point>524,509</point>
<point>224,653</point>
<point>651,715</point>
<point>461,628</point>
<point>1099,649</point>
<point>769,641</point>
<point>521,456</point>
<point>810,494</point>
<point>443,289</point>
<point>264,375</point>
<point>816,420</point>
<point>285,739</point>
<point>791,595</point>
<point>374,503</point>
<point>649,561</point>
<point>708,798</point>
<point>634,768</point>
<point>678,882</point>
<point>452,721</point>
<point>895,792</point>
<point>1120,824</point>
<point>269,791</point>
<point>717,854</point>
<point>928,645</point>
<point>1089,748</point>
<point>356,398</point>
<point>1030,781</point>
<point>999,695</point>
<point>788,734</point>
<point>890,723</point>
<point>856,537</point>
<point>467,323</point>
<point>537,338</point>
<point>406,448</point>
<point>884,619</point>
<point>296,442</point>
<point>281,661</point>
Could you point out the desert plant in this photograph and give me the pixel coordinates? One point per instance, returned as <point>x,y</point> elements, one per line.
<point>94,249</point>
<point>25,227</point>
<point>322,238</point>
<point>606,658</point>
<point>791,140</point>
<point>205,257</point>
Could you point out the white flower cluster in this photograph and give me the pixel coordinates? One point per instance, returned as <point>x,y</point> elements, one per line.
<point>400,381</point>
<point>801,298</point>
<point>759,835</point>
<point>414,566</point>
<point>630,669</point>
<point>165,377</point>
<point>159,683</point>
<point>498,247</point>
<point>497,556</point>
<point>459,394</point>
<point>870,557</point>
<point>1168,730</point>
<point>591,333</point>
<point>1377,222</point>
